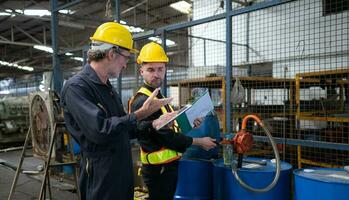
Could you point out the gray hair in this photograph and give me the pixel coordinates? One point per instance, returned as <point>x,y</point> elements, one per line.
<point>98,51</point>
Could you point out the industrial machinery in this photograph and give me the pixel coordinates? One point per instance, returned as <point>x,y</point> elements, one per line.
<point>14,120</point>
<point>50,141</point>
<point>44,112</point>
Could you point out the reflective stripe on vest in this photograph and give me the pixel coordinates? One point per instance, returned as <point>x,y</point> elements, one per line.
<point>163,155</point>
<point>147,92</point>
<point>159,157</point>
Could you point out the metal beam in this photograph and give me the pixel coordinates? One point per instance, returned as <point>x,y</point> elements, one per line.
<point>17,43</point>
<point>61,23</point>
<point>39,5</point>
<point>191,23</point>
<point>214,40</point>
<point>117,11</point>
<point>306,143</point>
<point>133,7</point>
<point>3,38</point>
<point>67,5</point>
<point>117,18</point>
<point>57,72</point>
<point>44,34</point>
<point>27,34</point>
<point>257,6</point>
<point>228,74</point>
<point>164,84</point>
<point>143,35</point>
<point>254,7</point>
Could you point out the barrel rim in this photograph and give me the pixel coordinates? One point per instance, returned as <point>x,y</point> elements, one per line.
<point>318,180</point>
<point>285,166</point>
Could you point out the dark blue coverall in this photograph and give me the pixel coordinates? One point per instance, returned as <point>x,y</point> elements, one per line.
<point>95,117</point>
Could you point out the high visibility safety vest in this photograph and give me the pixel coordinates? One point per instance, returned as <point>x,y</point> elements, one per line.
<point>163,155</point>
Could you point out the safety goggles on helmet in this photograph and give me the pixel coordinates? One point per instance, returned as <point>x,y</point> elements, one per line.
<point>118,51</point>
<point>101,46</point>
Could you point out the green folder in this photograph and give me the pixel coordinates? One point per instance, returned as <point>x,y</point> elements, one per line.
<point>199,108</point>
<point>183,123</point>
<point>186,115</point>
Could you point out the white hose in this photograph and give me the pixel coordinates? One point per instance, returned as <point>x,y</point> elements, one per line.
<point>277,173</point>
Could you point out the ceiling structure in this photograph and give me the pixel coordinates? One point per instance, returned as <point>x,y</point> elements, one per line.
<point>22,34</point>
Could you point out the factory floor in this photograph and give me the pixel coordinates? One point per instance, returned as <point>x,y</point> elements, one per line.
<point>28,186</point>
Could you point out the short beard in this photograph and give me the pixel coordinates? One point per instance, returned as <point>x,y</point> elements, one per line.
<point>155,86</point>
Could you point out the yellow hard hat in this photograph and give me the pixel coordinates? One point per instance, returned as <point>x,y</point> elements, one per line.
<point>115,34</point>
<point>152,52</point>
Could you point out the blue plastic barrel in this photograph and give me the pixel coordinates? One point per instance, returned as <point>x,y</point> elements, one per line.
<point>67,169</point>
<point>208,128</point>
<point>225,186</point>
<point>321,184</point>
<point>194,180</point>
<point>76,147</point>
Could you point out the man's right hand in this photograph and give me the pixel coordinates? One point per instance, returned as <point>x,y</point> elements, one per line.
<point>163,118</point>
<point>151,105</point>
<point>206,143</point>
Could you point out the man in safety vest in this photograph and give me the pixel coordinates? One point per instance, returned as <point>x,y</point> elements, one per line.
<point>160,150</point>
<point>95,117</point>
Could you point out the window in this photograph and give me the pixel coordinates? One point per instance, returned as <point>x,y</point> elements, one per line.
<point>334,6</point>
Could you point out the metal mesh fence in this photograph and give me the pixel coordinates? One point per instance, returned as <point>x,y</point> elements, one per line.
<point>306,111</point>
<point>289,67</point>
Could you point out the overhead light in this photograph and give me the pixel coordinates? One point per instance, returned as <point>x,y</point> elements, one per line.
<point>169,43</point>
<point>182,6</point>
<point>67,12</point>
<point>5,14</point>
<point>15,65</point>
<point>43,48</point>
<point>132,29</point>
<point>5,92</point>
<point>37,12</point>
<point>68,54</point>
<point>77,58</point>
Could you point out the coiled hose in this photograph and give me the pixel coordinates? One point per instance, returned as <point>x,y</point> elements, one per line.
<point>276,153</point>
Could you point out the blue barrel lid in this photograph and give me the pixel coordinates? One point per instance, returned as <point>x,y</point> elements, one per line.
<point>328,175</point>
<point>250,166</point>
<point>228,136</point>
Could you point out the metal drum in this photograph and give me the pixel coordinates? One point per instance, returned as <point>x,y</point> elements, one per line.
<point>208,128</point>
<point>194,180</point>
<point>225,187</point>
<point>321,184</point>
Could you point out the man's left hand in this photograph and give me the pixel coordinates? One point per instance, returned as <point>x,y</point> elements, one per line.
<point>197,122</point>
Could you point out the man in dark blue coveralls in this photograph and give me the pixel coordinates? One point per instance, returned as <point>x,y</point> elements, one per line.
<point>96,118</point>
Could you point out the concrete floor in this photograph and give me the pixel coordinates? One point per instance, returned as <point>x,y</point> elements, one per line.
<point>28,186</point>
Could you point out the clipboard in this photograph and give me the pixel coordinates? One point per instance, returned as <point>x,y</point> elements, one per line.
<point>186,115</point>
<point>180,111</point>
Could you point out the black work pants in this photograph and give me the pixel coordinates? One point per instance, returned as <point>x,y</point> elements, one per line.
<point>161,180</point>
<point>100,179</point>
